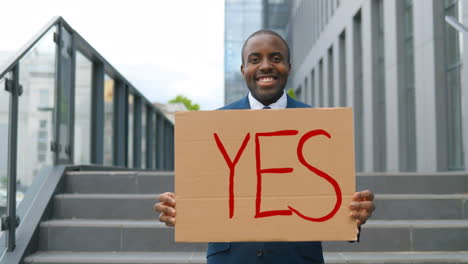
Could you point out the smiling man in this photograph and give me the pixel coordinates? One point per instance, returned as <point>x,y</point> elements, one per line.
<point>266,67</point>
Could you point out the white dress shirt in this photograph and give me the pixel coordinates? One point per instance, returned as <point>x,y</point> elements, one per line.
<point>279,104</point>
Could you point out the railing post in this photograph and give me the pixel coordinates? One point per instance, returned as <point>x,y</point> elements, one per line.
<point>172,148</point>
<point>160,142</point>
<point>97,108</point>
<point>137,112</point>
<point>120,99</point>
<point>149,138</point>
<point>11,221</point>
<point>167,141</point>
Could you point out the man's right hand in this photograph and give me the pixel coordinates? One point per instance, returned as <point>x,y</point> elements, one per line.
<point>166,206</point>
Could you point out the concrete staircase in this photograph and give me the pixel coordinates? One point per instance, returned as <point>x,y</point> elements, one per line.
<point>107,217</point>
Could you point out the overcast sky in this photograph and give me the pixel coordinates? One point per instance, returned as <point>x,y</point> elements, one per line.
<point>164,48</point>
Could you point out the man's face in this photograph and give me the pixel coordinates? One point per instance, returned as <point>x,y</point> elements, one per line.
<point>265,68</point>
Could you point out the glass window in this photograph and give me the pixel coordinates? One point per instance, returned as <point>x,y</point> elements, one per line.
<point>453,87</point>
<point>108,120</point>
<point>407,119</point>
<point>378,92</point>
<point>358,94</point>
<point>83,88</point>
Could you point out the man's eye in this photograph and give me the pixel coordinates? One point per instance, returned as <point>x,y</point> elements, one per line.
<point>253,60</point>
<point>276,59</point>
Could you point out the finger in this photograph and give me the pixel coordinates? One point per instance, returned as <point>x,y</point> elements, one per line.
<point>169,220</point>
<point>358,222</point>
<point>364,205</point>
<point>170,211</point>
<point>361,216</point>
<point>167,198</point>
<point>363,196</point>
<point>164,208</point>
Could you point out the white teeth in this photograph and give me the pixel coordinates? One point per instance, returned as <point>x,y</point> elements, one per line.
<point>266,79</point>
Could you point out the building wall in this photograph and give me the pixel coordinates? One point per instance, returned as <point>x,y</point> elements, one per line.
<point>386,140</point>
<point>242,18</point>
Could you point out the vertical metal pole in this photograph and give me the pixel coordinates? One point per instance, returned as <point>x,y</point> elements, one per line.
<point>160,143</point>
<point>149,137</point>
<point>119,123</point>
<point>71,140</point>
<point>125,89</point>
<point>55,144</point>
<point>172,147</point>
<point>97,108</point>
<point>12,160</point>
<point>167,141</point>
<point>137,131</point>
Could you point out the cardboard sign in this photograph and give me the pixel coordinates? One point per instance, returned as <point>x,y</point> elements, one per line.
<point>264,175</point>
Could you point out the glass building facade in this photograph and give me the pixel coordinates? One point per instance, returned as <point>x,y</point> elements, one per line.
<point>242,18</point>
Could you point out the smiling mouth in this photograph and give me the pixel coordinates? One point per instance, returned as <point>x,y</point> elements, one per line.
<point>266,80</point>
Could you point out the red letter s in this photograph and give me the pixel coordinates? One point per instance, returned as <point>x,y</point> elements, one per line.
<point>320,173</point>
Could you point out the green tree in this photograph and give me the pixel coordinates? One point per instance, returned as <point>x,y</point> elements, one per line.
<point>292,94</point>
<point>187,102</point>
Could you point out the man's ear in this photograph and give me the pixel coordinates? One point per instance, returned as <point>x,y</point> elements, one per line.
<point>289,71</point>
<point>242,69</point>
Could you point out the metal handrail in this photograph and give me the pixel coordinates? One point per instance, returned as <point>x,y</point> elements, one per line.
<point>82,45</point>
<point>15,59</point>
<point>122,89</point>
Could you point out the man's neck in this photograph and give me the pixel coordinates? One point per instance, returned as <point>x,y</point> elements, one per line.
<point>279,103</point>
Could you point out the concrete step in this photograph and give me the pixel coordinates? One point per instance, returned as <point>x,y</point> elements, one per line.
<point>397,257</point>
<point>199,257</point>
<point>407,235</point>
<point>140,206</point>
<point>420,206</point>
<point>119,182</point>
<point>105,206</point>
<point>152,236</point>
<point>55,257</point>
<point>110,235</point>
<point>158,182</point>
<point>414,183</point>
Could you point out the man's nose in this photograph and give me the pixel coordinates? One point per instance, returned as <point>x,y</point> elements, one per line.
<point>265,66</point>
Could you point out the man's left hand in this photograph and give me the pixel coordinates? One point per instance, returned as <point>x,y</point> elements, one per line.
<point>362,206</point>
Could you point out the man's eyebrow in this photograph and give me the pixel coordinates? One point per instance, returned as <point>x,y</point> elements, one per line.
<point>276,54</point>
<point>254,54</point>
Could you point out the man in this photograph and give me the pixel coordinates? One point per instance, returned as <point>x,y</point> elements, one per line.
<point>266,67</point>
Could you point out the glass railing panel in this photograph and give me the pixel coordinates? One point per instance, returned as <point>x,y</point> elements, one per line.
<point>36,109</point>
<point>143,136</point>
<point>4,121</point>
<point>108,119</point>
<point>83,89</point>
<point>131,108</point>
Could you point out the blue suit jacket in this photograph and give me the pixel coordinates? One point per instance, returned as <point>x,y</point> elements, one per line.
<point>264,252</point>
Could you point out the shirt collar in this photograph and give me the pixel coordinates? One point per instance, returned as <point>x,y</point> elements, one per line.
<point>279,104</point>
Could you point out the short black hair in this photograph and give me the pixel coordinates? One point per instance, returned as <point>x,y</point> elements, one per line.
<point>268,32</point>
